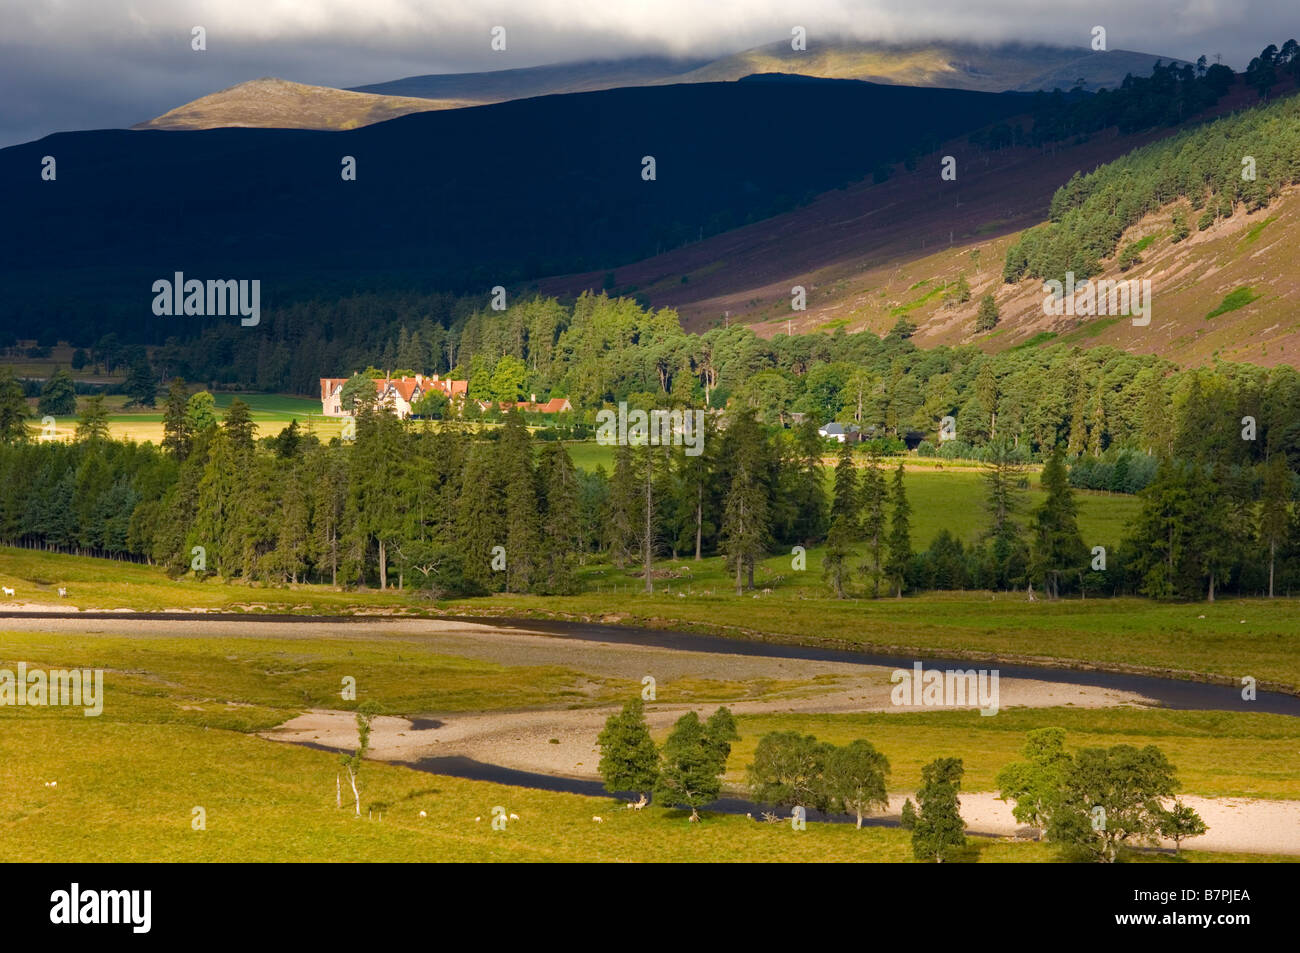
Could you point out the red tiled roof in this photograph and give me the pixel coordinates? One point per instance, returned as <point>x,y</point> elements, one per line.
<point>408,388</point>
<point>553,406</point>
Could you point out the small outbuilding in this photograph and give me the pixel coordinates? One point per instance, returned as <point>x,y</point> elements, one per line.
<point>840,433</point>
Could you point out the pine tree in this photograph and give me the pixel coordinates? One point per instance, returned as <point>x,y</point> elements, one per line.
<point>1156,426</point>
<point>898,560</point>
<point>328,494</point>
<point>648,467</point>
<point>939,827</point>
<point>1078,427</point>
<point>629,760</point>
<point>1274,518</point>
<point>807,491</point>
<point>93,422</point>
<point>622,508</point>
<point>1058,548</point>
<point>13,409</point>
<point>1097,426</point>
<point>523,530</point>
<point>141,386</point>
<point>1004,482</point>
<point>177,431</point>
<point>58,396</point>
<point>986,390</point>
<point>695,491</point>
<point>987,317</point>
<point>1159,538</point>
<point>1180,229</point>
<point>217,510</point>
<point>561,528</point>
<point>746,508</point>
<point>835,557</point>
<point>873,495</point>
<point>240,429</point>
<point>481,523</point>
<point>845,502</point>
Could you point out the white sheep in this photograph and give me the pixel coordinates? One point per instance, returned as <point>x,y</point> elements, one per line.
<point>8,591</point>
<point>598,819</point>
<point>477,820</point>
<point>422,814</point>
<point>514,817</point>
<point>63,593</point>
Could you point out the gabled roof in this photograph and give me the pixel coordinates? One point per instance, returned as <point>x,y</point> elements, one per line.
<point>410,389</point>
<point>834,428</point>
<point>553,406</point>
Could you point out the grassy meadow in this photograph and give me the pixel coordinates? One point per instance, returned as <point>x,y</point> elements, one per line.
<point>179,732</point>
<point>177,728</point>
<point>127,792</point>
<point>1221,641</point>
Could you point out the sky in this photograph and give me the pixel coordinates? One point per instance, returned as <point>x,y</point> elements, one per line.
<point>95,64</point>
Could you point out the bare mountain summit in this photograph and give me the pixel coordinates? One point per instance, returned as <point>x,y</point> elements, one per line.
<point>271,103</point>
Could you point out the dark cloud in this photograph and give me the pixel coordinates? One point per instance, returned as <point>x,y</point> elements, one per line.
<point>90,64</point>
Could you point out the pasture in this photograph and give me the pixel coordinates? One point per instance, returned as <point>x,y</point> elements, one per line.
<point>177,734</point>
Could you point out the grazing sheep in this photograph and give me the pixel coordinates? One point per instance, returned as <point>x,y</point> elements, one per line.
<point>694,819</point>
<point>477,820</point>
<point>637,805</point>
<point>514,817</point>
<point>422,814</point>
<point>8,591</point>
<point>598,819</point>
<point>63,593</point>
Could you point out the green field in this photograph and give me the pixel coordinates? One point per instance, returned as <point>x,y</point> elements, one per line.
<point>1224,640</point>
<point>127,793</point>
<point>271,413</point>
<point>1263,761</point>
<point>176,734</point>
<point>951,498</point>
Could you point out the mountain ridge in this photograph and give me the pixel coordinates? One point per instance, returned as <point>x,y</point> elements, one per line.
<point>1008,67</point>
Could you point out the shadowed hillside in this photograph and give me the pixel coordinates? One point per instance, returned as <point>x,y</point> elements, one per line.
<point>873,253</point>
<point>933,64</point>
<point>456,200</point>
